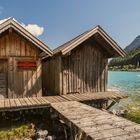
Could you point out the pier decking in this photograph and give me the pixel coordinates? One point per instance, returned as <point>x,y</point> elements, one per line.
<point>41,102</point>
<point>94,124</point>
<point>90,123</point>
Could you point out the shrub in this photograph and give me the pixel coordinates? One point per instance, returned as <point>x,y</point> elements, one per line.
<point>17,133</point>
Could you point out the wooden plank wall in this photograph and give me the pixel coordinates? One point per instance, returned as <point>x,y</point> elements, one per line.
<point>84,70</point>
<point>51,71</point>
<point>21,83</point>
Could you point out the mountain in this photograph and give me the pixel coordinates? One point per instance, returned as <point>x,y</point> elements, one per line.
<point>134,45</point>
<point>131,60</point>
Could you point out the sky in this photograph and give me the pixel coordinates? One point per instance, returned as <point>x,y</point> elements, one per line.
<point>57,21</point>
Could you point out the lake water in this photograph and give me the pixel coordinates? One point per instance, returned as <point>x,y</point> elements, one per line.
<point>126,82</point>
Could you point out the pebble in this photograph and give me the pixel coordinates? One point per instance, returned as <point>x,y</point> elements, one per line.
<point>50,138</point>
<point>42,134</point>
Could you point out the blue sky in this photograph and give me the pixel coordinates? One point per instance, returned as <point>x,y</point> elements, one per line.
<point>62,19</point>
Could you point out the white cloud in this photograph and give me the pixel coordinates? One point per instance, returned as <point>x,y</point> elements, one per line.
<point>32,28</point>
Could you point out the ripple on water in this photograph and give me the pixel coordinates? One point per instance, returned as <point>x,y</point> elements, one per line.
<point>126,82</point>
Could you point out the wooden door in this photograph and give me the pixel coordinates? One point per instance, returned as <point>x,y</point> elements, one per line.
<point>3,78</point>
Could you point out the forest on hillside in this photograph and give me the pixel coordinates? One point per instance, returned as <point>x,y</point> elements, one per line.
<point>130,62</point>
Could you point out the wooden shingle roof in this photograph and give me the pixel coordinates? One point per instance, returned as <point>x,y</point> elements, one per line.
<point>12,23</point>
<point>100,35</point>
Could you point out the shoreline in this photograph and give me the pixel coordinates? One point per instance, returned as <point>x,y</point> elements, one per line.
<point>135,70</point>
<point>130,70</point>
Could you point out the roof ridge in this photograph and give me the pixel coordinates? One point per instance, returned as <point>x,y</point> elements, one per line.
<point>5,20</point>
<point>78,36</point>
<point>68,46</point>
<point>24,32</point>
<point>87,31</point>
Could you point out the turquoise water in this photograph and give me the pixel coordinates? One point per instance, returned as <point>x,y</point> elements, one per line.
<point>126,82</point>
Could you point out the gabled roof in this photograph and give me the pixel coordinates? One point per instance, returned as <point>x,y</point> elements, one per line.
<point>99,34</point>
<point>12,23</point>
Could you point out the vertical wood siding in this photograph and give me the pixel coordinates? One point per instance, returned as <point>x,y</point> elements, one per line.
<point>21,83</point>
<point>51,73</point>
<point>84,70</point>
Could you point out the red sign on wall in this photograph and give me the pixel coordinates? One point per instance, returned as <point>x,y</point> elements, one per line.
<point>29,65</point>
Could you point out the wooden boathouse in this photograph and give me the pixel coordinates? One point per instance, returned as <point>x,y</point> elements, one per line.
<point>21,56</point>
<point>30,70</point>
<point>81,64</point>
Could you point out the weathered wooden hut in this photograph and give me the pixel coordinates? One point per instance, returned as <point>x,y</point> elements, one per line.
<point>21,56</point>
<point>80,65</point>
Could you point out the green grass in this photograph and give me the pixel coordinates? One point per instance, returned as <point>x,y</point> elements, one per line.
<point>134,116</point>
<point>134,111</point>
<point>25,131</point>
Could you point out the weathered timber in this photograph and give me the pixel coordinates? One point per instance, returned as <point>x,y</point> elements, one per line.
<point>80,65</point>
<point>40,102</point>
<point>18,82</point>
<point>20,61</point>
<point>79,72</point>
<point>95,124</point>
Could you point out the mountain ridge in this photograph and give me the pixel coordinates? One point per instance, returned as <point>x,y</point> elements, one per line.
<point>133,45</point>
<point>131,60</point>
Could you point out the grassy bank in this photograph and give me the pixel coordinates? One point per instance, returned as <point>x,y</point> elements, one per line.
<point>134,116</point>
<point>18,133</point>
<point>134,110</point>
<point>31,125</point>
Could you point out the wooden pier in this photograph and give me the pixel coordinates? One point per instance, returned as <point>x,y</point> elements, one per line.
<point>87,122</point>
<point>90,123</point>
<point>41,102</point>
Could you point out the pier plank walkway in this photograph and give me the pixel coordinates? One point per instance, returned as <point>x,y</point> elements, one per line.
<point>41,102</point>
<point>95,124</point>
<point>90,122</point>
